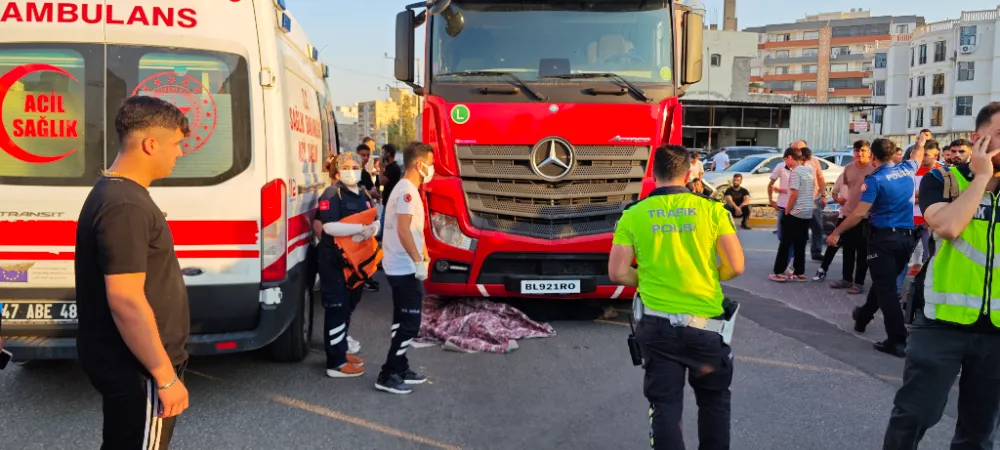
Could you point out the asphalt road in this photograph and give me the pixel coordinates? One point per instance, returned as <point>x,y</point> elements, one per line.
<point>801,382</point>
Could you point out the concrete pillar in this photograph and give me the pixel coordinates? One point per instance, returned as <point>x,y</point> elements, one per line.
<point>823,66</point>
<point>729,15</point>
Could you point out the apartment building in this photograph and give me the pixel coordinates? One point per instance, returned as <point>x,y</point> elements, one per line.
<point>726,67</point>
<point>822,58</point>
<point>938,77</point>
<point>375,117</point>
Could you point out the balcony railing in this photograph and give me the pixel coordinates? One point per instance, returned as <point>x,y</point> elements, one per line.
<point>790,59</point>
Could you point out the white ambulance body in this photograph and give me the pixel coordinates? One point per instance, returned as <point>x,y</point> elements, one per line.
<point>239,202</point>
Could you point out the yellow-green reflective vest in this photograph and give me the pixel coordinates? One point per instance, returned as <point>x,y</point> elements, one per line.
<point>962,278</point>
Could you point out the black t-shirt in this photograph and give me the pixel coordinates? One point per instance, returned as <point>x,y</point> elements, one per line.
<point>366,180</point>
<point>392,174</point>
<point>121,230</point>
<point>738,194</point>
<point>333,207</point>
<point>931,192</point>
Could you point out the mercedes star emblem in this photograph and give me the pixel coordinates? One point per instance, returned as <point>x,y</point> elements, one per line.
<point>552,158</point>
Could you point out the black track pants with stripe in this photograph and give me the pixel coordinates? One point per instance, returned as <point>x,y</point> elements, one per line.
<point>131,406</point>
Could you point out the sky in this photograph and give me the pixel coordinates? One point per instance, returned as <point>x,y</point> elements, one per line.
<point>356,35</point>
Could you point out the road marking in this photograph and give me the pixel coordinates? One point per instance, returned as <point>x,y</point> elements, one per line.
<point>321,411</point>
<point>791,365</point>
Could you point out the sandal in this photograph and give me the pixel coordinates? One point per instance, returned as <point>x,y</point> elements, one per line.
<point>856,289</point>
<point>841,284</point>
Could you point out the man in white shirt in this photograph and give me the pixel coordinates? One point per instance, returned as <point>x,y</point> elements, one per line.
<point>697,170</point>
<point>720,161</point>
<point>405,263</point>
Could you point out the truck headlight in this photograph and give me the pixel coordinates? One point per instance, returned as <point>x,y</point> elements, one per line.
<point>446,230</point>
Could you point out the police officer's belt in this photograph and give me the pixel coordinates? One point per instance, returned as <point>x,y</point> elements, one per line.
<point>679,320</point>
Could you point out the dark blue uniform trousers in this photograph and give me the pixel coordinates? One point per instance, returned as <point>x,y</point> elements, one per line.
<point>339,303</point>
<point>668,352</point>
<point>888,254</point>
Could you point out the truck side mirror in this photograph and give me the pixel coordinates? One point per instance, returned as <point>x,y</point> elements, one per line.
<point>405,53</point>
<point>691,62</point>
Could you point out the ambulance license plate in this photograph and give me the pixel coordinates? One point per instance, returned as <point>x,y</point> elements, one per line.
<point>550,286</point>
<point>39,312</point>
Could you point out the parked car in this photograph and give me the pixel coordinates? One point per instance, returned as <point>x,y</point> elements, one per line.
<point>737,153</point>
<point>841,159</point>
<point>756,171</point>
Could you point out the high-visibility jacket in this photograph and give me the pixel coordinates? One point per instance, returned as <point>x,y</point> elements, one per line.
<point>962,282</point>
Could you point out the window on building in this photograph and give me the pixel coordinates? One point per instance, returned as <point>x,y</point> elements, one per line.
<point>911,88</point>
<point>966,71</point>
<point>847,83</point>
<point>866,67</point>
<point>839,51</point>
<point>809,68</point>
<point>758,54</point>
<point>967,35</point>
<point>913,52</point>
<point>810,35</point>
<point>781,70</point>
<point>938,87</point>
<point>937,116</point>
<point>909,118</point>
<point>921,86</point>
<point>881,60</point>
<point>781,85</point>
<point>716,60</point>
<point>808,86</point>
<point>880,87</point>
<point>842,67</point>
<point>902,29</point>
<point>923,53</point>
<point>781,54</point>
<point>837,100</point>
<point>877,116</point>
<point>755,71</point>
<point>918,121</point>
<point>963,106</point>
<point>940,51</point>
<point>810,52</point>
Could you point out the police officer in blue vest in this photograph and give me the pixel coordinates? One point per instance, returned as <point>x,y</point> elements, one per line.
<point>887,199</point>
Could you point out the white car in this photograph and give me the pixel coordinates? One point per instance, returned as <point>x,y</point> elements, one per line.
<point>756,171</point>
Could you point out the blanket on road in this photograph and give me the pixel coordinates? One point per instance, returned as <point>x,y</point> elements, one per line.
<point>477,325</point>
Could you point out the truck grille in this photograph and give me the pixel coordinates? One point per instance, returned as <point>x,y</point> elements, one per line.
<point>504,193</point>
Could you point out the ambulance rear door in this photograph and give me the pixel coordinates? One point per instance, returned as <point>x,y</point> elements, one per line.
<point>52,140</point>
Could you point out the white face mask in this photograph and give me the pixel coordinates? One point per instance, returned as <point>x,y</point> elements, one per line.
<point>427,175</point>
<point>350,178</point>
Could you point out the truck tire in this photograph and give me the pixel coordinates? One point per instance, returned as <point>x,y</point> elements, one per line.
<point>293,344</point>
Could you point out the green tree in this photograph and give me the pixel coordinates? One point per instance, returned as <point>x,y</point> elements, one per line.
<point>404,129</point>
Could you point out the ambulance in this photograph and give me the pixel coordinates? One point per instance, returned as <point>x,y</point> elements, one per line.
<point>240,200</point>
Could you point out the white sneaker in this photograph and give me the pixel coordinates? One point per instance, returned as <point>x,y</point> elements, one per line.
<point>353,346</point>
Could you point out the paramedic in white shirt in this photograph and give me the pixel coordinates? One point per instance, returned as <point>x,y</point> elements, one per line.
<point>720,161</point>
<point>405,264</point>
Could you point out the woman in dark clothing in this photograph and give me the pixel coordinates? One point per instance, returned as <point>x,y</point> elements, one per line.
<point>344,198</point>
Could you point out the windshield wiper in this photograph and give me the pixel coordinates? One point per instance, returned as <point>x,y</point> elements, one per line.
<point>496,73</point>
<point>635,89</point>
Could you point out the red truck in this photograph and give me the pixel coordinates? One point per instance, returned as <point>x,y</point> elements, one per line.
<point>543,116</point>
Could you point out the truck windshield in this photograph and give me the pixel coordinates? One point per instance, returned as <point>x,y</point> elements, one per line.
<point>532,40</point>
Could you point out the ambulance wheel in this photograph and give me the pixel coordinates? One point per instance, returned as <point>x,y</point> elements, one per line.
<point>293,344</point>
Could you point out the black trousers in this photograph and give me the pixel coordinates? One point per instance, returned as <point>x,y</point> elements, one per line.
<point>855,245</point>
<point>831,250</point>
<point>745,211</point>
<point>130,404</point>
<point>407,304</point>
<point>935,355</point>
<point>339,303</point>
<point>668,353</point>
<point>888,255</point>
<point>794,233</point>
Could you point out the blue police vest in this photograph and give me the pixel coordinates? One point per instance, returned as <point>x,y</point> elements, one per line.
<point>889,189</point>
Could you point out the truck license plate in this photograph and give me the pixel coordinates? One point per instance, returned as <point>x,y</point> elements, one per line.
<point>40,312</point>
<point>550,286</point>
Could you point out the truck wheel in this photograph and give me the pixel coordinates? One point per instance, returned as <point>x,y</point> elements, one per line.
<point>293,344</point>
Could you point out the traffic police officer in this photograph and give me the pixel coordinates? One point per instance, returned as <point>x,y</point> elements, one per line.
<point>887,194</point>
<point>959,330</point>
<point>674,236</point>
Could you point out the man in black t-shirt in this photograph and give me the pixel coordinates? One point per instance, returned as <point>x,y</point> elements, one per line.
<point>738,200</point>
<point>132,301</point>
<point>391,172</point>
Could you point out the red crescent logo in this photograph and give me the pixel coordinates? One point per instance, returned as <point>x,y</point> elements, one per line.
<point>191,97</point>
<point>6,142</point>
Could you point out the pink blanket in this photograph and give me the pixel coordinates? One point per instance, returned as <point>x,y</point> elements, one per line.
<point>476,324</point>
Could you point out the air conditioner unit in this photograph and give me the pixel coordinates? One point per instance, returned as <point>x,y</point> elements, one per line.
<point>831,90</point>
<point>966,49</point>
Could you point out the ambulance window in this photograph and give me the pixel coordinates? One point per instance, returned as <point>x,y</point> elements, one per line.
<point>211,88</point>
<point>49,95</point>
